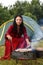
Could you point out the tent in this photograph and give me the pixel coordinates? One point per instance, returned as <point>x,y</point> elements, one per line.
<point>33,29</point>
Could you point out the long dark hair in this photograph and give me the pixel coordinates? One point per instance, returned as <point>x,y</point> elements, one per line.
<point>15,25</point>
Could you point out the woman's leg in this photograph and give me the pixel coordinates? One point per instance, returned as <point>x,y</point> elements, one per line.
<point>7,50</point>
<point>22,43</point>
<point>15,43</point>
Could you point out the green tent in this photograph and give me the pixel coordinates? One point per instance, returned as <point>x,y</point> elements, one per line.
<point>33,29</point>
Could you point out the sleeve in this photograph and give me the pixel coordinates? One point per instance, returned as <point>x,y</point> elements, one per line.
<point>25,33</point>
<point>8,31</point>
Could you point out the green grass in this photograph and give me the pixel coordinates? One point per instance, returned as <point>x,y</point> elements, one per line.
<point>23,62</point>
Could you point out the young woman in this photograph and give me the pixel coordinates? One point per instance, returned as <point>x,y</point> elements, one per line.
<point>15,37</point>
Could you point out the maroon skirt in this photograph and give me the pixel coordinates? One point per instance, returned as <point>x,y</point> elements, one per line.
<point>18,43</point>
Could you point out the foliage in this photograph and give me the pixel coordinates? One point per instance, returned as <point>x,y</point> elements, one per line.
<point>33,10</point>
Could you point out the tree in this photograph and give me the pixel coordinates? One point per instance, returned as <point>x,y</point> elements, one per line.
<point>35,8</point>
<point>42,10</point>
<point>4,14</point>
<point>30,15</point>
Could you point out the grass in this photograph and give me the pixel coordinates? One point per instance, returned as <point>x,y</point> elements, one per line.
<point>23,62</point>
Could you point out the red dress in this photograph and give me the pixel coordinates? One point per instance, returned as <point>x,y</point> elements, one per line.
<point>18,41</point>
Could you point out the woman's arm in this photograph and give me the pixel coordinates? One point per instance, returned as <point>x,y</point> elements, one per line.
<point>26,37</point>
<point>28,42</point>
<point>9,37</point>
<point>8,33</point>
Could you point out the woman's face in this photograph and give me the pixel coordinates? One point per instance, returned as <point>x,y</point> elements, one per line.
<point>18,20</point>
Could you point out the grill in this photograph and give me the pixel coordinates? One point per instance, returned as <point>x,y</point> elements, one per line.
<point>37,53</point>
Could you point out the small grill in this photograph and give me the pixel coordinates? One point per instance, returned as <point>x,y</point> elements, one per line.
<point>37,53</point>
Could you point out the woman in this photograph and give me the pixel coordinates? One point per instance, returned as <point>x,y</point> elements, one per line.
<point>14,37</point>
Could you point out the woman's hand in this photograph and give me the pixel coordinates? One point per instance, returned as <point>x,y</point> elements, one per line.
<point>9,37</point>
<point>28,42</point>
